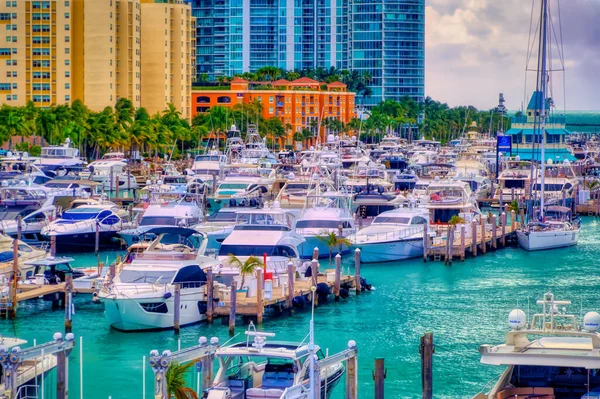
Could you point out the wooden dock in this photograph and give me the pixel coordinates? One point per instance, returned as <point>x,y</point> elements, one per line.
<point>279,301</point>
<point>469,239</point>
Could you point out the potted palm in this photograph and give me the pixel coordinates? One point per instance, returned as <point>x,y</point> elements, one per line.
<point>176,384</point>
<point>333,240</point>
<point>454,220</point>
<point>247,267</point>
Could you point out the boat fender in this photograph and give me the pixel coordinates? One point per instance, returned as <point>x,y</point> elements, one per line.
<point>364,286</point>
<point>95,297</point>
<point>232,203</point>
<point>344,293</point>
<point>299,302</point>
<point>323,290</point>
<point>253,203</point>
<point>308,272</point>
<point>167,295</point>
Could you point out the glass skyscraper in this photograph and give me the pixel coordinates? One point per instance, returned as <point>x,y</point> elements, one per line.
<point>384,38</point>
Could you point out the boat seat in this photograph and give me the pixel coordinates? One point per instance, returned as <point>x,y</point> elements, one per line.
<point>525,393</point>
<point>258,393</point>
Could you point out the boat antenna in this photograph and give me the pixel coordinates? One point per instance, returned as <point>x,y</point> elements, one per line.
<point>311,348</point>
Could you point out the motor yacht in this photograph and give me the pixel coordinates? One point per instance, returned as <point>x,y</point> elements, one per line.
<point>111,173</point>
<point>261,368</point>
<point>552,355</point>
<point>514,180</point>
<point>267,233</point>
<point>448,198</point>
<point>76,229</point>
<point>242,183</point>
<point>324,213</point>
<point>141,296</point>
<point>392,236</point>
<point>161,211</point>
<point>59,157</point>
<point>25,252</point>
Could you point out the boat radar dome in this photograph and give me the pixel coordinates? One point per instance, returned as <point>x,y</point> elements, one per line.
<point>517,158</point>
<point>517,319</point>
<point>312,148</point>
<point>330,138</point>
<point>276,205</point>
<point>591,321</point>
<point>353,138</point>
<point>550,162</point>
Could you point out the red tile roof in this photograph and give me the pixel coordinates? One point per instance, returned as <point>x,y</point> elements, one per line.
<point>336,84</point>
<point>239,80</point>
<point>305,81</point>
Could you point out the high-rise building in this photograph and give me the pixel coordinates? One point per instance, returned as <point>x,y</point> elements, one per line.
<point>168,47</point>
<point>106,52</point>
<point>384,38</point>
<point>35,49</point>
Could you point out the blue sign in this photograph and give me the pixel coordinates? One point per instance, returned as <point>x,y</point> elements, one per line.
<point>504,143</point>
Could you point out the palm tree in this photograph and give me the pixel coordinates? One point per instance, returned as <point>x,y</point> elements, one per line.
<point>454,220</point>
<point>248,267</point>
<point>176,384</point>
<point>333,240</point>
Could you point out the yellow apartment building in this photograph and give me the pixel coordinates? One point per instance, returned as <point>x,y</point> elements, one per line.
<point>168,55</point>
<point>35,59</point>
<point>56,51</point>
<point>106,52</point>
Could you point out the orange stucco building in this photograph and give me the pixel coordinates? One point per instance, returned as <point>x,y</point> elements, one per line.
<point>298,102</point>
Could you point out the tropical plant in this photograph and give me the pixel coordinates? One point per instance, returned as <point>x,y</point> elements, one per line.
<point>333,240</point>
<point>248,267</point>
<point>454,220</point>
<point>513,206</point>
<point>176,384</point>
<point>591,184</point>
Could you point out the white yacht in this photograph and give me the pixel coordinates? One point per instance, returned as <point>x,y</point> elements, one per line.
<point>255,149</point>
<point>75,230</point>
<point>392,236</point>
<point>324,213</point>
<point>447,198</point>
<point>162,212</point>
<point>111,173</point>
<point>551,355</point>
<point>262,368</point>
<point>266,233</point>
<point>141,295</point>
<point>242,183</point>
<point>59,157</point>
<point>26,253</point>
<point>514,180</point>
<point>554,229</point>
<point>208,165</point>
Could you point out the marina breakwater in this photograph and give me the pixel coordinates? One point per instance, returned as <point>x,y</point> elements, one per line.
<point>465,305</point>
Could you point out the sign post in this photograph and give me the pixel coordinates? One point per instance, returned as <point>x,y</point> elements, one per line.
<point>503,144</point>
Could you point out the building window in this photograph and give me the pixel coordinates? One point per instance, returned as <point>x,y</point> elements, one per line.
<point>14,97</point>
<point>67,74</point>
<point>67,15</point>
<point>67,39</point>
<point>67,27</point>
<point>67,50</point>
<point>67,62</point>
<point>68,98</point>
<point>271,99</point>
<point>270,110</point>
<point>8,97</point>
<point>67,86</point>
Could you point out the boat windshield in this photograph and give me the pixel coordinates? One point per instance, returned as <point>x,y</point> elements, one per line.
<point>308,224</point>
<point>81,213</point>
<point>132,276</point>
<point>257,250</point>
<point>233,186</point>
<point>208,158</point>
<point>223,217</point>
<point>391,220</point>
<point>158,221</point>
<point>298,186</point>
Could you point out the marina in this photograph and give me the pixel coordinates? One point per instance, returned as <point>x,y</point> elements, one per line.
<point>296,218</point>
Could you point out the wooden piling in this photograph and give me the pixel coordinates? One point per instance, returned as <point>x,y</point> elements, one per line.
<point>474,237</point>
<point>338,271</point>
<point>357,270</point>
<point>68,302</point>
<point>232,304</point>
<point>512,221</point>
<point>52,244</point>
<point>14,286</point>
<point>463,231</point>
<point>503,223</point>
<point>379,377</point>
<point>512,195</point>
<point>351,378</point>
<point>176,308</point>
<point>425,243</point>
<point>209,295</point>
<point>111,271</point>
<point>112,180</point>
<point>426,351</point>
<point>61,375</point>
<point>494,232</point>
<point>291,279</point>
<point>259,296</point>
<point>483,237</point>
<point>522,217</point>
<point>117,184</point>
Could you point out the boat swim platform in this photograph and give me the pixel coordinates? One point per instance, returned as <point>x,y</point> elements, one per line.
<point>280,299</point>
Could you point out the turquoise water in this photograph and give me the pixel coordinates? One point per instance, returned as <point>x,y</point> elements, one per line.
<point>465,305</point>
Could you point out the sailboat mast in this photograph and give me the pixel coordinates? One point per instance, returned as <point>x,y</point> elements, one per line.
<point>543,81</point>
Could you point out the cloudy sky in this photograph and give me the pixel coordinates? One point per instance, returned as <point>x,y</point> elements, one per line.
<point>478,48</point>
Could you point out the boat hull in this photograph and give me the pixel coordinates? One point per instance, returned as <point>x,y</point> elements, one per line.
<point>86,241</point>
<point>127,314</point>
<point>543,240</point>
<point>312,242</point>
<point>390,251</point>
